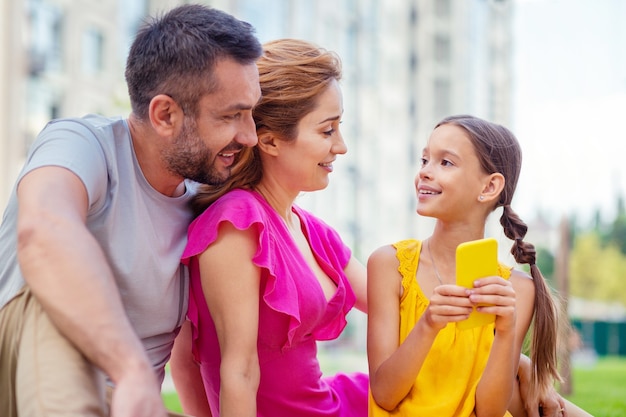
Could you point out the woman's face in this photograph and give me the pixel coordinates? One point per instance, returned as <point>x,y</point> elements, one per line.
<point>306,161</point>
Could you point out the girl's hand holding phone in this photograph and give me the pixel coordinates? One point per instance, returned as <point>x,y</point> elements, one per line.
<point>495,295</point>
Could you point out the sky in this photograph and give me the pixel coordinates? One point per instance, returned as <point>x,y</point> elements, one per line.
<point>570,106</point>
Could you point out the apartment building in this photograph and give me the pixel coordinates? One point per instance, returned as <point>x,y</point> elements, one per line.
<point>58,58</point>
<point>407,63</point>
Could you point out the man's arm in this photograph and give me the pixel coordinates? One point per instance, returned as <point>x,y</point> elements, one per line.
<point>69,275</point>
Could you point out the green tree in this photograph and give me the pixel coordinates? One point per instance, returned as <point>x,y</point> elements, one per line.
<point>617,232</point>
<point>596,270</point>
<point>545,262</point>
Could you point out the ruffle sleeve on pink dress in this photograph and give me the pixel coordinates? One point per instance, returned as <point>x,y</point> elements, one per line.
<point>293,311</point>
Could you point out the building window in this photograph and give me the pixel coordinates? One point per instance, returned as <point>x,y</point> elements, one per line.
<point>93,51</point>
<point>270,21</point>
<point>46,30</point>
<point>442,49</point>
<point>442,8</point>
<point>442,98</point>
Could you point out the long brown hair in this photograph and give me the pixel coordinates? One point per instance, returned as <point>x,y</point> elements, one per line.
<point>499,151</point>
<point>293,74</point>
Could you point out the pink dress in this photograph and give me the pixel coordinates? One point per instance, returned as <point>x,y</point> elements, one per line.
<point>293,312</point>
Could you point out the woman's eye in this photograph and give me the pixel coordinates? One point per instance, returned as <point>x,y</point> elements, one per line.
<point>329,132</point>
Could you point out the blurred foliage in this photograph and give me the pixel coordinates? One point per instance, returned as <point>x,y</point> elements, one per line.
<point>545,262</point>
<point>597,262</point>
<point>597,270</point>
<point>617,232</point>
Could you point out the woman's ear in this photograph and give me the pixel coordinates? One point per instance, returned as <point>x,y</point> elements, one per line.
<point>267,143</point>
<point>166,116</point>
<point>493,188</point>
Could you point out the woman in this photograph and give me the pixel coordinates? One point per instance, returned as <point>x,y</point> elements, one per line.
<point>276,279</point>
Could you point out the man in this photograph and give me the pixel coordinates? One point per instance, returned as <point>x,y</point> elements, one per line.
<point>90,280</point>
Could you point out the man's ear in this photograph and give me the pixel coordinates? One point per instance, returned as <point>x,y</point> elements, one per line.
<point>493,187</point>
<point>268,143</point>
<point>166,116</point>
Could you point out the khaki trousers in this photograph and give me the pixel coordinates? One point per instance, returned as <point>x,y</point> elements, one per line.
<point>41,372</point>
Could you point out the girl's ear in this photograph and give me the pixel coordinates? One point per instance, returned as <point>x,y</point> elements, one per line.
<point>268,143</point>
<point>165,115</point>
<point>493,188</point>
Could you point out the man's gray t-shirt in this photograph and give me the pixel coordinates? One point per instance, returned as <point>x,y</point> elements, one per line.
<point>141,231</point>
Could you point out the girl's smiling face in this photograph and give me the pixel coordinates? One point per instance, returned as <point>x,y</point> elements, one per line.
<point>451,178</point>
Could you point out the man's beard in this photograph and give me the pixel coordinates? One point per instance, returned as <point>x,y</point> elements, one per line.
<point>190,158</point>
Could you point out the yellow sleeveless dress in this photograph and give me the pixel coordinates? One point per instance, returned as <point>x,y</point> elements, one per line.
<point>446,384</point>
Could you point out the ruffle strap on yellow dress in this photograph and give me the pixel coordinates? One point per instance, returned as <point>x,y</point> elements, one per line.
<point>446,384</point>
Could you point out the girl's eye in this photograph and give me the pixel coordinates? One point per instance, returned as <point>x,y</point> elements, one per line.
<point>424,162</point>
<point>446,163</point>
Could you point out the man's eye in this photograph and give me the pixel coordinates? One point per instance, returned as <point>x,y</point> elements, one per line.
<point>232,116</point>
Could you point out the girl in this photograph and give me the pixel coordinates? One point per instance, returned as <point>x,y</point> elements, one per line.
<point>420,363</point>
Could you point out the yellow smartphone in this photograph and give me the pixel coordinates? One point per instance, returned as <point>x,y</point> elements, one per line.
<point>476,259</point>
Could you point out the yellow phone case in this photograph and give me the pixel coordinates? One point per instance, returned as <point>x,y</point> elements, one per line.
<point>476,259</point>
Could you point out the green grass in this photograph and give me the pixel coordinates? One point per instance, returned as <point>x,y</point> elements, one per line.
<point>599,389</point>
<point>171,402</point>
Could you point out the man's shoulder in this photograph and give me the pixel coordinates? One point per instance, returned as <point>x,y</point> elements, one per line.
<point>100,131</point>
<point>92,122</point>
<point>92,147</point>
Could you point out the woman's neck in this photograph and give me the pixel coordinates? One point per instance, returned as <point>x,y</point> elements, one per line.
<point>279,201</point>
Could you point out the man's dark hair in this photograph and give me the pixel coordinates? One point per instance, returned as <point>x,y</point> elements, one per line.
<point>175,55</point>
